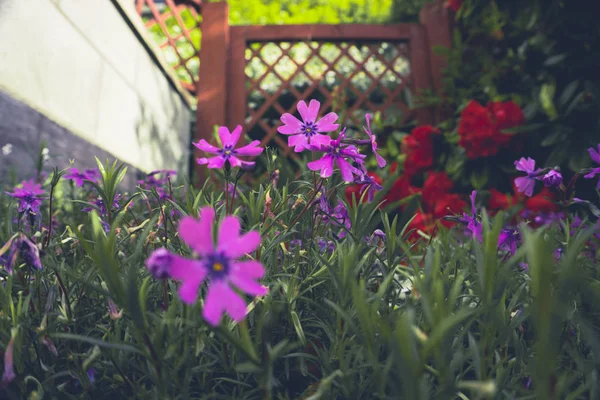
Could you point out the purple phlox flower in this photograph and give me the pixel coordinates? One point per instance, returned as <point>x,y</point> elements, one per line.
<point>28,196</point>
<point>552,179</point>
<point>380,160</point>
<point>20,245</point>
<point>338,153</point>
<point>524,266</point>
<point>325,245</point>
<point>473,225</point>
<point>509,239</point>
<point>595,155</point>
<point>228,152</point>
<point>159,263</point>
<point>369,184</point>
<point>526,184</point>
<point>98,204</point>
<point>558,253</point>
<point>9,373</point>
<point>295,243</point>
<point>341,216</point>
<point>79,177</point>
<point>308,131</point>
<point>218,264</point>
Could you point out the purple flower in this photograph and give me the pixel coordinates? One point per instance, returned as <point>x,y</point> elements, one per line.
<point>471,220</point>
<point>369,184</point>
<point>295,243</point>
<point>159,263</point>
<point>325,245</point>
<point>526,184</point>
<point>307,132</point>
<point>558,254</point>
<point>231,190</point>
<point>228,153</point>
<point>341,216</point>
<point>28,196</point>
<point>218,264</point>
<point>552,179</point>
<point>80,177</point>
<point>595,154</point>
<point>20,245</point>
<point>337,152</point>
<point>509,239</point>
<point>380,160</point>
<point>9,373</point>
<point>98,203</point>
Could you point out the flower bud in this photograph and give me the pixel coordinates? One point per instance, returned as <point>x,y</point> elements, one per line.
<point>159,263</point>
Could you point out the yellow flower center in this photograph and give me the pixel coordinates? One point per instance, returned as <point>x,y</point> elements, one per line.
<point>218,267</point>
<point>227,152</point>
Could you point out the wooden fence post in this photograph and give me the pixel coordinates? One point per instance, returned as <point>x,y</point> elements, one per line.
<point>212,76</point>
<point>438,22</point>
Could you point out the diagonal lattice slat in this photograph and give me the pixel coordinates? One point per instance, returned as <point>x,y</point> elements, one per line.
<point>364,76</point>
<point>175,26</point>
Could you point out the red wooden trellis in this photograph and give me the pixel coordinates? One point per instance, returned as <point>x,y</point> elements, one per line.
<point>224,92</point>
<point>154,15</point>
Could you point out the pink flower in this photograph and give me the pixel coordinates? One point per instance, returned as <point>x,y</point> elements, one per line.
<point>380,160</point>
<point>218,264</point>
<point>307,132</point>
<point>526,184</point>
<point>337,152</point>
<point>228,152</point>
<point>80,177</point>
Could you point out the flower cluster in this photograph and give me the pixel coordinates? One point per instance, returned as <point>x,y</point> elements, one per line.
<point>480,128</point>
<point>79,177</point>
<point>418,147</point>
<point>29,196</point>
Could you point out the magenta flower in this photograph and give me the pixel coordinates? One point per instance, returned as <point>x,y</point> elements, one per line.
<point>338,153</point>
<point>228,153</point>
<point>380,160</point>
<point>595,154</point>
<point>526,184</point>
<point>471,220</point>
<point>80,177</point>
<point>28,196</point>
<point>552,179</point>
<point>308,131</point>
<point>218,264</point>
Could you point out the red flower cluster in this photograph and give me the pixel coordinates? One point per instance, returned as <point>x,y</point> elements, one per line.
<point>418,147</point>
<point>436,202</point>
<point>541,203</point>
<point>480,127</point>
<point>454,5</point>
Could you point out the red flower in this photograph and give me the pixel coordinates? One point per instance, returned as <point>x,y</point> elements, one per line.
<point>401,189</point>
<point>480,127</point>
<point>540,203</point>
<point>418,147</point>
<point>448,204</point>
<point>454,5</point>
<point>422,221</point>
<point>436,185</point>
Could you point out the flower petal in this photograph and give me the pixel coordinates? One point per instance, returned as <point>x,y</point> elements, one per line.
<point>216,162</point>
<point>224,135</point>
<point>380,160</point>
<point>325,165</point>
<point>368,128</point>
<point>309,114</point>
<point>525,185</point>
<point>298,142</point>
<point>229,231</point>
<point>345,170</point>
<point>326,124</point>
<point>243,275</point>
<point>198,234</point>
<point>251,149</point>
<point>182,269</point>
<point>188,291</point>
<point>595,154</point>
<point>525,165</point>
<point>221,298</point>
<point>242,245</point>
<point>235,136</point>
<point>320,140</point>
<point>291,125</point>
<point>206,147</point>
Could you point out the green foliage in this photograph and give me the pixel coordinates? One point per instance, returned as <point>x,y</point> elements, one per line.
<point>447,318</point>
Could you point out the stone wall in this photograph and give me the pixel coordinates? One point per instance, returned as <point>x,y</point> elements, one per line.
<point>79,75</point>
